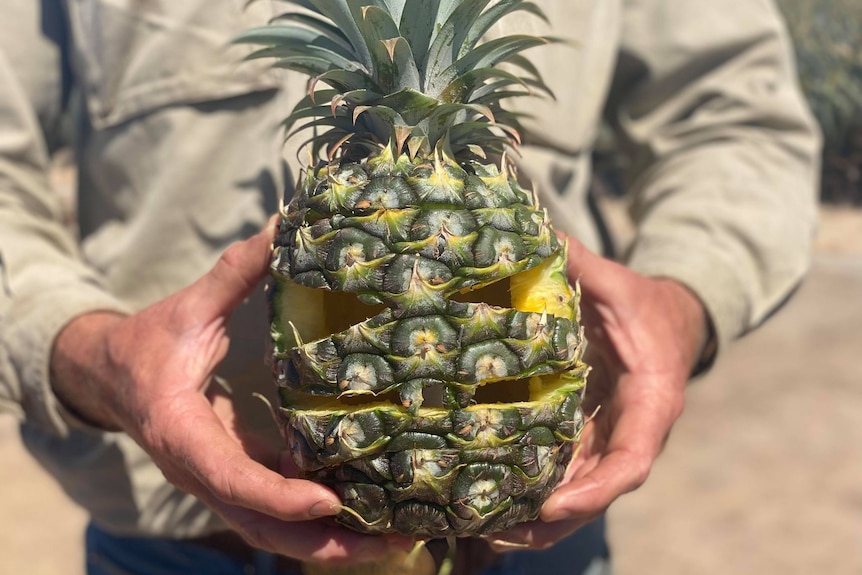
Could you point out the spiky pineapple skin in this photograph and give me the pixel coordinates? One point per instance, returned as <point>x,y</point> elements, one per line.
<point>472,471</point>
<point>409,235</point>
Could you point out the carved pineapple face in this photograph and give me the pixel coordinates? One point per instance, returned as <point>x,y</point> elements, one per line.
<point>426,341</point>
<point>440,390</point>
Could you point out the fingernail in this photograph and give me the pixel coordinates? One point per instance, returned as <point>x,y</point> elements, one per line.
<point>372,550</point>
<point>508,544</point>
<point>554,516</point>
<point>324,509</point>
<point>400,542</point>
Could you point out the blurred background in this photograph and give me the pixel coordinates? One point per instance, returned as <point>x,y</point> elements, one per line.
<point>763,473</point>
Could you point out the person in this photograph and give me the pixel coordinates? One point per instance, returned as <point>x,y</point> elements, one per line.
<point>130,351</point>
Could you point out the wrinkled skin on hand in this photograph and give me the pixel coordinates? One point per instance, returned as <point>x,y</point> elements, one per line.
<point>149,374</point>
<point>645,335</point>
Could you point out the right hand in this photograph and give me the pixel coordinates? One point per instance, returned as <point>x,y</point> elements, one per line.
<point>148,373</point>
<point>645,335</point>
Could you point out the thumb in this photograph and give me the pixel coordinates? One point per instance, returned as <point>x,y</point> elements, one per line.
<point>601,279</point>
<point>235,275</point>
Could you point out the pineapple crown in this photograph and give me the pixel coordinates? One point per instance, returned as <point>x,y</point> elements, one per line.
<point>410,75</point>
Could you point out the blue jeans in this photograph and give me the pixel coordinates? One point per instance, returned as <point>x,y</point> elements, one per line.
<point>584,553</point>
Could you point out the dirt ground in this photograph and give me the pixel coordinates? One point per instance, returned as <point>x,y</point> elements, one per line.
<point>762,475</point>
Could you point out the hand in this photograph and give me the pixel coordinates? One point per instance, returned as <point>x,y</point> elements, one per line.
<point>644,337</point>
<point>148,374</point>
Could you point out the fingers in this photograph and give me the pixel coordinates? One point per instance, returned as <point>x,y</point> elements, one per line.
<point>274,513</point>
<point>312,541</point>
<point>536,535</point>
<point>318,540</point>
<point>600,278</point>
<point>236,274</point>
<point>629,433</point>
<point>595,485</point>
<point>616,474</point>
<point>642,418</point>
<point>199,446</point>
<point>591,484</point>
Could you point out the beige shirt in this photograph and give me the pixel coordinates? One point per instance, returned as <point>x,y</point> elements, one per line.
<point>179,155</point>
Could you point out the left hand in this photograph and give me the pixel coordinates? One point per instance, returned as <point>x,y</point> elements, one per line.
<point>645,335</point>
<point>149,374</point>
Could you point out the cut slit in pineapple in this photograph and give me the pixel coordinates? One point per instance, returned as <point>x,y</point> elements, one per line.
<point>542,293</point>
<point>543,288</point>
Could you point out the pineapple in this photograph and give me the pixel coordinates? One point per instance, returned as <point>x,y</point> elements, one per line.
<point>426,341</point>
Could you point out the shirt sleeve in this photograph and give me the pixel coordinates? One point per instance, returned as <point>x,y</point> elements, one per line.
<point>43,281</point>
<point>725,154</point>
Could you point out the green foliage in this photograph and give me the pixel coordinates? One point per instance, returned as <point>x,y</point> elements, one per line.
<point>828,38</point>
<point>416,75</point>
<point>827,35</point>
